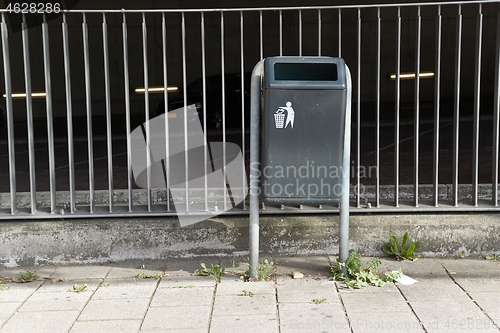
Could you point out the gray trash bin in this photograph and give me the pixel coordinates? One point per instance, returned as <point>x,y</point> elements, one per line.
<point>303,124</point>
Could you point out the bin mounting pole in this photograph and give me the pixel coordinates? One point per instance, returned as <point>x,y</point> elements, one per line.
<point>344,200</point>
<point>255,89</point>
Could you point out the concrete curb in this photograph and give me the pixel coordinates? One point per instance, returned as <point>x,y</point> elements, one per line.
<point>101,240</point>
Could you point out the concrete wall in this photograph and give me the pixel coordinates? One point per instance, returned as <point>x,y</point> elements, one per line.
<point>94,241</point>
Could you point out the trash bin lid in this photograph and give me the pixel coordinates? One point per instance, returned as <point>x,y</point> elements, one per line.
<point>304,73</point>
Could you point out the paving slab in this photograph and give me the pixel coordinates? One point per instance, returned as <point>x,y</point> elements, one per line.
<point>81,272</point>
<point>387,288</point>
<point>167,297</point>
<point>313,267</point>
<point>440,317</point>
<point>386,322</point>
<point>302,291</point>
<point>176,318</point>
<point>126,288</point>
<point>40,322</point>
<point>469,284</point>
<point>65,286</point>
<point>434,290</point>
<point>423,267</point>
<point>7,309</point>
<point>108,326</point>
<point>374,302</point>
<point>244,323</point>
<point>488,301</point>
<point>186,280</point>
<point>177,330</point>
<point>244,305</point>
<point>115,309</point>
<point>19,292</point>
<point>309,317</point>
<point>125,272</point>
<point>480,269</point>
<point>39,270</point>
<point>237,287</point>
<point>54,301</point>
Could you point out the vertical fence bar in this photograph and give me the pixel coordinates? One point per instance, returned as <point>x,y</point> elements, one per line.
<point>261,40</point>
<point>300,33</point>
<point>319,32</point>
<point>146,107</point>
<point>184,82</point>
<point>88,101</point>
<point>69,112</point>
<point>496,122</point>
<point>398,100</point>
<point>377,120</point>
<point>242,73</point>
<point>437,84</point>
<point>358,117</point>
<point>165,109</point>
<point>340,33</point>
<point>416,134</point>
<point>126,82</point>
<point>109,140</point>
<point>223,72</point>
<point>48,103</point>
<point>10,116</point>
<point>29,114</point>
<point>477,95</point>
<point>281,33</point>
<point>205,139</point>
<point>456,116</point>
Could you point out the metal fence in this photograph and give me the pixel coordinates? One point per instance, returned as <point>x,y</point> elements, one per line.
<point>76,85</point>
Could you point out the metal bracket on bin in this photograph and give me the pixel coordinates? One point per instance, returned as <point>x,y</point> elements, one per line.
<point>255,173</point>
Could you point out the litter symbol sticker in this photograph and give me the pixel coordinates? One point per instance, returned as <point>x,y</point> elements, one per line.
<point>279,116</point>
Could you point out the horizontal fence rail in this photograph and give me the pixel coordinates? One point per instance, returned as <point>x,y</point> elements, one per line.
<point>146,112</point>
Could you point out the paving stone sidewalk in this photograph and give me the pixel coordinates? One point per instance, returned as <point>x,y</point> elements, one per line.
<point>451,295</point>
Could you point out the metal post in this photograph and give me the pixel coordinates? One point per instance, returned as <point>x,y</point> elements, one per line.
<point>29,114</point>
<point>146,108</point>
<point>88,104</point>
<point>255,89</point>
<point>69,112</point>
<point>398,100</point>
<point>300,33</point>
<point>377,138</point>
<point>205,138</point>
<point>49,110</point>
<point>10,116</point>
<point>344,200</point>
<point>107,90</point>
<point>223,79</point>
<point>456,107</point>
<point>319,32</point>
<point>126,82</point>
<point>416,143</point>
<point>243,92</point>
<point>436,108</point>
<point>477,96</point>
<point>496,122</point>
<point>358,117</point>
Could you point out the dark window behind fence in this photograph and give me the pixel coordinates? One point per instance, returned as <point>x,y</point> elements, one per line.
<point>84,98</point>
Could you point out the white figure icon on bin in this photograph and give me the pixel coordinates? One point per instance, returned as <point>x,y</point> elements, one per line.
<point>191,164</point>
<point>280,116</point>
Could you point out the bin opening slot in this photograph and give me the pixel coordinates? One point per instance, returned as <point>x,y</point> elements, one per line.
<point>305,71</point>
